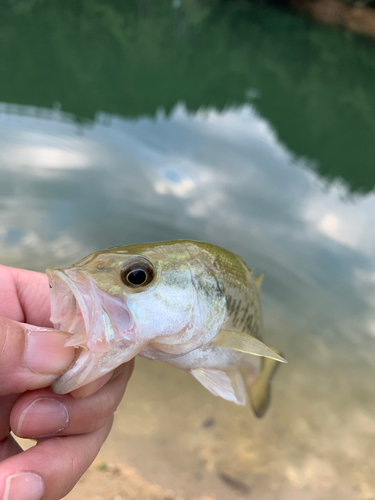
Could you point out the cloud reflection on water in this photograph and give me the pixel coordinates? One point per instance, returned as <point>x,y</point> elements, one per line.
<point>221,177</point>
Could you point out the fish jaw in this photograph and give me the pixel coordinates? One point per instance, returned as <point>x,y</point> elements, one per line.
<point>101,327</point>
<point>90,366</point>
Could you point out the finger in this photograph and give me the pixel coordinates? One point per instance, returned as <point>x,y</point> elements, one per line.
<point>42,413</point>
<point>117,372</point>
<point>6,406</point>
<point>8,448</point>
<point>24,296</point>
<point>56,464</point>
<point>92,387</point>
<point>31,358</point>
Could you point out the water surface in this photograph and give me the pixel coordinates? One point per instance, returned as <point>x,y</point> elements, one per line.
<point>232,123</point>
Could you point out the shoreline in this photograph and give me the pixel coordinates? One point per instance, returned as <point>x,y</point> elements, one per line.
<point>359,19</point>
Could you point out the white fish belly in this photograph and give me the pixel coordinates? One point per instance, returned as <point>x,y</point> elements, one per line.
<point>208,356</point>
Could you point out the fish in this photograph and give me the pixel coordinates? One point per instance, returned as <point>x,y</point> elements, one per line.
<point>191,304</point>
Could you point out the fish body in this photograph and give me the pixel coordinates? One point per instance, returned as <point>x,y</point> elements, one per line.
<point>191,304</point>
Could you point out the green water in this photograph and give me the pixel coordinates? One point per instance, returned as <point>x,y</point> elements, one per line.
<point>230,122</point>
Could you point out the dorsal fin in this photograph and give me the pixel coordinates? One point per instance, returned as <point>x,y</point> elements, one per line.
<point>259,280</point>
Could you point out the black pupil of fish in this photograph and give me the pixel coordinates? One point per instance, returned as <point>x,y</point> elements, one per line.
<point>137,277</point>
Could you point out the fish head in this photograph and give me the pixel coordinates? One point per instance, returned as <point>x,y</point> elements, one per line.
<point>116,302</point>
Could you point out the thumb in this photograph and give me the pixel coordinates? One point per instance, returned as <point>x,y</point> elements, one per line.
<point>31,357</point>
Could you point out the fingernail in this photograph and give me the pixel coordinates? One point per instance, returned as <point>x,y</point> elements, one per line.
<point>48,414</point>
<point>45,352</point>
<point>25,486</point>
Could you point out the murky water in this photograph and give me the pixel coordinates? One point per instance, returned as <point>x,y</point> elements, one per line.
<point>233,123</point>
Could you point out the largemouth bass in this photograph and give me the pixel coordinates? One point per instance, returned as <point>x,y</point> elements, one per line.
<point>193,305</point>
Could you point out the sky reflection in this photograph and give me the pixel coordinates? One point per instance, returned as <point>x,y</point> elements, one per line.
<point>68,190</point>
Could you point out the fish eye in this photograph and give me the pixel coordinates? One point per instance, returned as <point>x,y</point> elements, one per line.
<point>137,274</point>
<point>137,277</point>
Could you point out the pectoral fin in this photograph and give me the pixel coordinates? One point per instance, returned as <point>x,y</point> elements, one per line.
<point>259,391</point>
<point>227,384</point>
<point>245,343</point>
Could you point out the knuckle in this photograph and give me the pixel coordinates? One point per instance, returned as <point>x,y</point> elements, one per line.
<point>4,334</point>
<point>12,346</point>
<point>101,408</point>
<point>10,340</point>
<point>108,405</point>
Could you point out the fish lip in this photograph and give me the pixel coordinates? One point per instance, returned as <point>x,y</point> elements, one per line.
<point>59,278</point>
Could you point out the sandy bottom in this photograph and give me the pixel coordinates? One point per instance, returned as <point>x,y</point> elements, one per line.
<point>120,482</point>
<point>173,440</point>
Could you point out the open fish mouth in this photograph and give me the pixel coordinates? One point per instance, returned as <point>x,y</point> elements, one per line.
<point>95,319</point>
<point>101,326</point>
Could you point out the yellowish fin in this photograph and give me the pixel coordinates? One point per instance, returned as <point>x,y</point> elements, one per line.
<point>245,343</point>
<point>259,280</point>
<point>259,391</point>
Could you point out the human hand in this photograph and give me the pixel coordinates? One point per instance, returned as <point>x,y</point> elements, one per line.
<point>69,430</point>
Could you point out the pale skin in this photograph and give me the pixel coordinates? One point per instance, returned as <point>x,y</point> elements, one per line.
<point>70,428</point>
